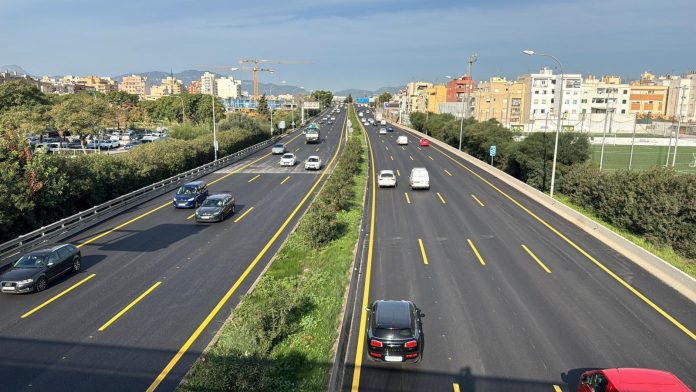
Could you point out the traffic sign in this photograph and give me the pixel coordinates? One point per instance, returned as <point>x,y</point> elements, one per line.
<point>492,151</point>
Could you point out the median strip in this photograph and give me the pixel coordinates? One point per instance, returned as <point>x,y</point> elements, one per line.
<point>69,289</point>
<point>422,249</point>
<point>127,308</point>
<point>476,252</point>
<point>243,215</point>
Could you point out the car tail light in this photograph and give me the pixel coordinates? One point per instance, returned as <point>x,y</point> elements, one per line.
<point>409,356</point>
<point>411,344</point>
<point>375,343</point>
<point>376,355</point>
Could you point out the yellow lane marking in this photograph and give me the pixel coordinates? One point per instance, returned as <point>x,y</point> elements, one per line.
<point>254,178</point>
<point>204,324</point>
<point>382,140</point>
<point>398,173</point>
<point>448,173</point>
<point>243,215</point>
<point>431,158</point>
<point>536,259</point>
<point>408,199</point>
<point>386,147</point>
<point>191,216</point>
<point>392,157</point>
<point>297,149</point>
<point>425,257</point>
<point>403,148</point>
<point>69,289</point>
<point>441,198</point>
<point>455,387</point>
<point>410,157</point>
<point>604,268</point>
<point>316,149</point>
<point>286,178</point>
<point>478,201</point>
<point>556,388</point>
<point>127,308</point>
<point>368,273</point>
<point>478,256</point>
<point>420,148</point>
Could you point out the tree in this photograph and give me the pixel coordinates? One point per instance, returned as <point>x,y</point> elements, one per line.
<point>349,99</point>
<point>124,107</point>
<point>80,114</point>
<point>262,107</point>
<point>324,97</point>
<point>21,93</point>
<point>384,97</point>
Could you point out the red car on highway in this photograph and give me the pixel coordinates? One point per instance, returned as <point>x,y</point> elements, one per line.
<point>630,380</point>
<point>423,142</point>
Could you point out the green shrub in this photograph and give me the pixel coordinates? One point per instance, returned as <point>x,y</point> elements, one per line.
<point>320,226</point>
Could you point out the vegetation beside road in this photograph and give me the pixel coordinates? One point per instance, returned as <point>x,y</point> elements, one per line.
<point>281,336</point>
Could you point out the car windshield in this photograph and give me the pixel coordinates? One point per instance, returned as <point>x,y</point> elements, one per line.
<point>186,190</point>
<point>313,159</point>
<point>212,203</point>
<point>31,261</point>
<point>384,333</point>
<point>278,146</point>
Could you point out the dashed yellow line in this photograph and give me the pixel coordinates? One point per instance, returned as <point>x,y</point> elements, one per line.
<point>255,177</point>
<point>297,149</point>
<point>408,200</point>
<point>398,173</point>
<point>62,293</point>
<point>478,201</point>
<point>191,216</point>
<point>441,198</point>
<point>410,157</point>
<point>557,388</point>
<point>286,178</point>
<point>392,157</point>
<point>127,308</point>
<point>431,158</point>
<point>422,249</point>
<point>448,173</point>
<point>317,149</point>
<point>386,147</point>
<point>243,215</point>
<point>403,148</point>
<point>548,271</point>
<point>455,387</point>
<point>476,252</point>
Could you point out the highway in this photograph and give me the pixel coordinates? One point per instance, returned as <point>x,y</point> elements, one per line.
<point>515,298</point>
<point>152,293</point>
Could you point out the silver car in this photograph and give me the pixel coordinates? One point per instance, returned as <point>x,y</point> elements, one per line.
<point>278,149</point>
<point>288,159</point>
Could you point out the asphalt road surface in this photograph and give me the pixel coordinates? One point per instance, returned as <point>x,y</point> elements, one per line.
<point>515,298</point>
<point>152,293</point>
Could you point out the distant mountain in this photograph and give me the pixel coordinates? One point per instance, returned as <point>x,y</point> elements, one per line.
<point>367,93</point>
<point>13,68</point>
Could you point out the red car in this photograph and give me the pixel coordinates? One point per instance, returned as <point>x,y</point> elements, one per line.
<point>423,142</point>
<point>630,380</point>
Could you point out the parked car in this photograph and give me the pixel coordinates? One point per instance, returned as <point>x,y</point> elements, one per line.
<point>629,380</point>
<point>74,144</point>
<point>278,148</point>
<point>313,162</point>
<point>423,142</point>
<point>34,270</point>
<point>132,144</point>
<point>394,331</point>
<point>191,195</point>
<point>402,140</point>
<point>288,159</point>
<point>419,178</point>
<point>92,144</point>
<point>215,208</point>
<point>386,178</point>
<point>108,144</point>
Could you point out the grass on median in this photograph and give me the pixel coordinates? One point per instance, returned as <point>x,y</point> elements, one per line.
<point>281,336</point>
<point>664,252</point>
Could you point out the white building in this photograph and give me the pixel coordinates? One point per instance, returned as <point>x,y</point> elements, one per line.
<point>543,97</point>
<point>681,96</point>
<point>606,95</point>
<point>228,87</point>
<point>208,84</point>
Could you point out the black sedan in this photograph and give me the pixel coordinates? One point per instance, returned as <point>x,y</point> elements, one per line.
<point>394,331</point>
<point>215,208</point>
<point>34,270</point>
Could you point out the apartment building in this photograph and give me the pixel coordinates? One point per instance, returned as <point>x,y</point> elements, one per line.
<point>502,100</point>
<point>435,95</point>
<point>100,84</point>
<point>208,84</point>
<point>648,98</point>
<point>604,95</point>
<point>543,97</point>
<point>416,96</point>
<point>228,87</point>
<point>134,84</point>
<point>194,87</point>
<point>457,89</point>
<point>681,96</point>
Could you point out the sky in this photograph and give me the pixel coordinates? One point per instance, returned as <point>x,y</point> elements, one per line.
<point>362,44</point>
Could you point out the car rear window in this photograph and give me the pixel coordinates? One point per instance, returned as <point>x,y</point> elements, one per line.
<point>388,175</point>
<point>384,333</point>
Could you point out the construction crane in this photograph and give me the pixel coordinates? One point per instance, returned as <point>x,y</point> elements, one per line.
<point>255,69</point>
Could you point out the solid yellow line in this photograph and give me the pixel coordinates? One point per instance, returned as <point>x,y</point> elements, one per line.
<point>425,257</point>
<point>255,177</point>
<point>127,308</point>
<point>410,157</point>
<point>477,200</point>
<point>431,158</point>
<point>392,157</point>
<point>448,173</point>
<point>455,387</point>
<point>536,259</point>
<point>191,216</point>
<point>556,388</point>
<point>177,357</point>
<point>368,273</point>
<point>441,199</point>
<point>398,173</point>
<point>408,199</point>
<point>69,289</point>
<point>243,215</point>
<point>286,178</point>
<point>478,256</point>
<point>611,273</point>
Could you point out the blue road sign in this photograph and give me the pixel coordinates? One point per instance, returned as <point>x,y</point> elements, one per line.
<point>362,100</point>
<point>492,151</point>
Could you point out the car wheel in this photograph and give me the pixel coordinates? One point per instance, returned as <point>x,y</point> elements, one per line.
<point>234,208</point>
<point>77,264</point>
<point>196,204</point>
<point>41,284</point>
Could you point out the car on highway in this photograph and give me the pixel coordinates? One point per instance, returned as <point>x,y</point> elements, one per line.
<point>383,131</point>
<point>34,270</point>
<point>386,178</point>
<point>108,144</point>
<point>419,178</point>
<point>390,129</point>
<point>630,380</point>
<point>423,142</point>
<point>215,208</point>
<point>402,140</point>
<point>394,331</point>
<point>191,195</point>
<point>288,159</point>
<point>278,149</point>
<point>312,163</point>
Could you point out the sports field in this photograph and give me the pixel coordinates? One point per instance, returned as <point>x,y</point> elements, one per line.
<point>617,157</point>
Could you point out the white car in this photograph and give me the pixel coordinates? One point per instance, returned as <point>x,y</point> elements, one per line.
<point>109,144</point>
<point>383,131</point>
<point>278,149</point>
<point>419,178</point>
<point>288,159</point>
<point>313,163</point>
<point>402,140</point>
<point>386,178</point>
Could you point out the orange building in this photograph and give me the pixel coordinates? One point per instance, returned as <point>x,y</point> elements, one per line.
<point>647,98</point>
<point>194,87</point>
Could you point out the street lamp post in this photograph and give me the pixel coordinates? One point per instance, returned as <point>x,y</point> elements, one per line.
<point>676,139</point>
<point>215,143</point>
<point>558,115</point>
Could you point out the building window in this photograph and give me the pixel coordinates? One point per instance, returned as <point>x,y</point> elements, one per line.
<point>583,101</point>
<point>536,91</point>
<point>543,111</point>
<point>536,101</point>
<point>623,111</point>
<point>552,100</point>
<point>625,92</point>
<point>623,101</point>
<point>567,101</point>
<point>575,101</point>
<point>543,101</point>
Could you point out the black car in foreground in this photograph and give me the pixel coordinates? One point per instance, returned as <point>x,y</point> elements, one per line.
<point>394,331</point>
<point>34,270</point>
<point>215,208</point>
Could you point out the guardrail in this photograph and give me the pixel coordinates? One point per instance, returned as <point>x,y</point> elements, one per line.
<point>82,220</point>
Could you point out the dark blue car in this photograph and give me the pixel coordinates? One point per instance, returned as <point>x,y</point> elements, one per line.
<point>191,195</point>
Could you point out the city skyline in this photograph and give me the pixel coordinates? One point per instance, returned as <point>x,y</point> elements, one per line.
<point>361,45</point>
